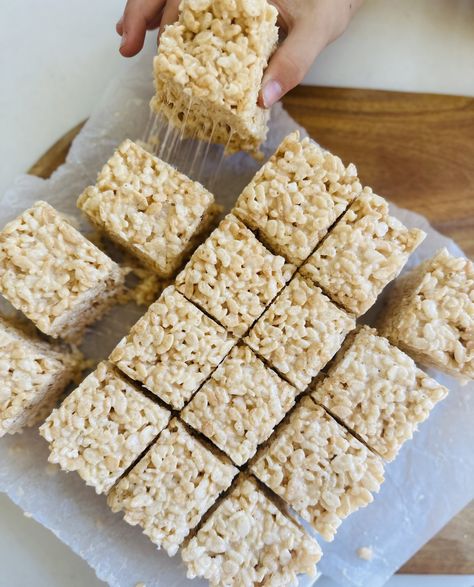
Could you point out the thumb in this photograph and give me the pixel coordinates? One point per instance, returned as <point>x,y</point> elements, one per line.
<point>289,64</point>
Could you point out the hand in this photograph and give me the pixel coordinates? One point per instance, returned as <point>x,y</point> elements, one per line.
<point>308,26</point>
<point>140,16</point>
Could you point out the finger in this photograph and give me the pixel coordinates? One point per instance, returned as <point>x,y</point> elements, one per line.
<point>170,13</point>
<point>119,26</point>
<point>290,63</point>
<point>155,22</point>
<point>135,19</point>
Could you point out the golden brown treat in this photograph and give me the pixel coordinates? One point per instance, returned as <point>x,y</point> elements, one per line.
<point>364,251</point>
<point>54,275</point>
<point>430,314</point>
<point>321,470</point>
<point>233,277</point>
<point>296,196</point>
<point>102,427</point>
<point>212,61</point>
<point>300,332</point>
<point>377,391</point>
<point>249,541</point>
<point>240,404</point>
<point>171,487</point>
<point>172,349</point>
<point>155,212</point>
<point>33,374</point>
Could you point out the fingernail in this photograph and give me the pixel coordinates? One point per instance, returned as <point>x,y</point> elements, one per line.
<point>123,41</point>
<point>271,93</point>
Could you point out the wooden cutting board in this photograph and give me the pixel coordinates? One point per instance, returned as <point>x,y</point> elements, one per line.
<point>418,151</point>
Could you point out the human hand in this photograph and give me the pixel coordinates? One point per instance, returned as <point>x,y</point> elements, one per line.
<point>307,26</point>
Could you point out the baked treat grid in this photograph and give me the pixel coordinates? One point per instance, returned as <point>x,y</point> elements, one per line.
<point>237,321</point>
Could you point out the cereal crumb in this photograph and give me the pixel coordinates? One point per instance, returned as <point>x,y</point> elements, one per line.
<point>365,553</point>
<point>28,514</point>
<point>141,584</point>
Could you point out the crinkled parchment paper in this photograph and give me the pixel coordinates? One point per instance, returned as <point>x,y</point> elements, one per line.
<point>432,479</point>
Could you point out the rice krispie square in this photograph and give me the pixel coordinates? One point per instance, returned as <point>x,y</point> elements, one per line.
<point>364,251</point>
<point>249,540</point>
<point>33,374</point>
<point>102,427</point>
<point>233,277</point>
<point>430,314</point>
<point>378,392</point>
<point>53,274</point>
<point>172,349</point>
<point>321,470</point>
<point>209,69</point>
<point>296,196</point>
<point>241,403</point>
<point>172,487</point>
<point>155,212</point>
<point>300,332</point>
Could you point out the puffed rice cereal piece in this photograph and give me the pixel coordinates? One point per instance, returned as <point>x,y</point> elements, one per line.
<point>172,349</point>
<point>54,275</point>
<point>171,487</point>
<point>233,277</point>
<point>300,332</point>
<point>364,251</point>
<point>241,403</point>
<point>249,540</point>
<point>296,196</point>
<point>378,392</point>
<point>209,69</point>
<point>102,427</point>
<point>321,470</point>
<point>155,212</point>
<point>34,374</point>
<point>430,314</point>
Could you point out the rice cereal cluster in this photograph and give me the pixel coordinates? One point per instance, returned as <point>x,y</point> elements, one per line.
<point>53,274</point>
<point>257,313</point>
<point>149,208</point>
<point>296,197</point>
<point>102,427</point>
<point>319,468</point>
<point>430,314</point>
<point>33,373</point>
<point>212,60</point>
<point>249,541</point>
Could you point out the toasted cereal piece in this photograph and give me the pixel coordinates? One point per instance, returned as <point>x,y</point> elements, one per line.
<point>53,274</point>
<point>430,314</point>
<point>378,392</point>
<point>300,332</point>
<point>102,427</point>
<point>34,373</point>
<point>241,403</point>
<point>321,470</point>
<point>296,196</point>
<point>250,540</point>
<point>233,277</point>
<point>155,212</point>
<point>209,69</point>
<point>172,349</point>
<point>171,487</point>
<point>364,251</point>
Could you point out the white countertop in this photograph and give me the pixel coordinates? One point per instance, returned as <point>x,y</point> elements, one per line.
<point>56,58</point>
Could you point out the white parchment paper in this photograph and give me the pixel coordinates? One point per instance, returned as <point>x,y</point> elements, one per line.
<point>431,480</point>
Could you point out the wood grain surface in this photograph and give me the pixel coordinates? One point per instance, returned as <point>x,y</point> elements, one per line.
<point>418,151</point>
